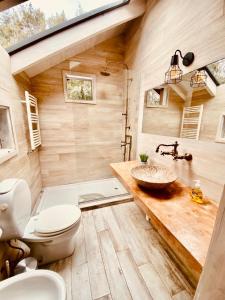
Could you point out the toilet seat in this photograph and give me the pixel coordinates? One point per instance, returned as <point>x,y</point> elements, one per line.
<point>56,220</point>
<point>52,234</point>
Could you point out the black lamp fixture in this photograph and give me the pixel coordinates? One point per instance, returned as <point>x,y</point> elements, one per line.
<point>174,74</point>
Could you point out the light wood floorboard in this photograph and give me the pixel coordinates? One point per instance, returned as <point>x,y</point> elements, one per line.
<point>154,283</point>
<point>117,282</point>
<point>149,242</point>
<point>135,282</point>
<point>80,278</point>
<point>119,256</point>
<point>98,280</point>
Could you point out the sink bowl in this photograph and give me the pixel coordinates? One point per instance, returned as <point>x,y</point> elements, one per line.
<point>33,285</point>
<point>153,176</point>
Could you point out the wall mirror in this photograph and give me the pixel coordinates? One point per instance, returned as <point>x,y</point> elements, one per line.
<point>189,109</point>
<point>157,97</point>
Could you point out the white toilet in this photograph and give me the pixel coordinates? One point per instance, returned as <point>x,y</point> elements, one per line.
<point>50,234</point>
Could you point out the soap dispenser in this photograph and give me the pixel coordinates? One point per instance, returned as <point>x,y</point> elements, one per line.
<point>196,192</point>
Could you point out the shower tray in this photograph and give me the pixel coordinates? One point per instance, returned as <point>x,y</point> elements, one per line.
<point>95,200</point>
<point>85,194</point>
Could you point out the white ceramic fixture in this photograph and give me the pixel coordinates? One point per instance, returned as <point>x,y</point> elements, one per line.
<point>34,285</point>
<point>50,234</point>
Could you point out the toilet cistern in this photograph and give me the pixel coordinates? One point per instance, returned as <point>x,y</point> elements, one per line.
<point>50,234</point>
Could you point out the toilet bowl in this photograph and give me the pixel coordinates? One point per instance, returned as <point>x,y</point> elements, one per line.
<point>50,234</point>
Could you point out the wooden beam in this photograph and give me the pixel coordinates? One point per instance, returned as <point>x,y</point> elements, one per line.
<point>212,284</point>
<point>81,47</point>
<point>5,4</point>
<point>180,92</point>
<point>62,42</point>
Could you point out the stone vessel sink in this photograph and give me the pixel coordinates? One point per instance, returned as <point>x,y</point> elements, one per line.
<point>153,176</point>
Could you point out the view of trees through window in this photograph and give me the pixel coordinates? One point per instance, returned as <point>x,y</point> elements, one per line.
<point>79,88</point>
<point>218,70</point>
<point>32,17</point>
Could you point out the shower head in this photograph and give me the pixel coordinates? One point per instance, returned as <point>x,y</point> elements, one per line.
<point>105,73</point>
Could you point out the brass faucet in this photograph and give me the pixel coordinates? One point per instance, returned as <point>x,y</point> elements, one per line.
<point>174,152</point>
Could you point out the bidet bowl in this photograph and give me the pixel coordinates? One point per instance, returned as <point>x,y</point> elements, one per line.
<point>153,176</point>
<point>33,285</point>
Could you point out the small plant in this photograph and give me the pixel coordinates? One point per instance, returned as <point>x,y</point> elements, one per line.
<point>143,157</point>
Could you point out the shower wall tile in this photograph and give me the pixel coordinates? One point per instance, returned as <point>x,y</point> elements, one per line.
<point>79,141</point>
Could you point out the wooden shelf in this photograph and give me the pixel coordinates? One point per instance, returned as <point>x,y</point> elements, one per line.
<point>185,225</point>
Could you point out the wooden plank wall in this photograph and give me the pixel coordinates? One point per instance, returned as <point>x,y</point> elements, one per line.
<point>213,108</point>
<point>167,25</point>
<point>23,165</point>
<point>170,117</point>
<point>80,140</point>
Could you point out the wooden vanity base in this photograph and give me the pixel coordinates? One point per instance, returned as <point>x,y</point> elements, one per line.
<point>185,225</point>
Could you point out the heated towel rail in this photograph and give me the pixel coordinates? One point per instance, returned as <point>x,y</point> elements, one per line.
<point>33,120</point>
<point>191,122</point>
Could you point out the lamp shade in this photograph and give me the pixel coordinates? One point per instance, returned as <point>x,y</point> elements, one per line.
<point>174,74</point>
<point>198,79</point>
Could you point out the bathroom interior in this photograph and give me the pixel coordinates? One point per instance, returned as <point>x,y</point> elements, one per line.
<point>112,149</point>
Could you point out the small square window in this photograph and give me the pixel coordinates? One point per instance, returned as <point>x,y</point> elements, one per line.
<point>79,88</point>
<point>157,97</point>
<point>7,141</point>
<point>220,137</point>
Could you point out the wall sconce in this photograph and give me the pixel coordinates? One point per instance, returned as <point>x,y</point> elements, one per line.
<point>174,74</point>
<point>198,79</point>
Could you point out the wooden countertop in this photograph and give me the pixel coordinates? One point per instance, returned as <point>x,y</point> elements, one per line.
<point>183,223</point>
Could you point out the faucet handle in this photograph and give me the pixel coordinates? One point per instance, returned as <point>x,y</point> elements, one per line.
<point>188,156</point>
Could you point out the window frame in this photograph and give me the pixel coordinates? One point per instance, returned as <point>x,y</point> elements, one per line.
<point>65,25</point>
<point>165,101</point>
<point>77,75</point>
<point>11,152</point>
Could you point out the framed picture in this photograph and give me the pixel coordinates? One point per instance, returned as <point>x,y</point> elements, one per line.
<point>79,87</point>
<point>157,97</point>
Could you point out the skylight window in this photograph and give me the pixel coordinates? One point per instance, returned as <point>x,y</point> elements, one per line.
<point>33,20</point>
<point>217,69</point>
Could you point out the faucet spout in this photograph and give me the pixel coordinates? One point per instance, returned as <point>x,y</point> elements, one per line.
<point>174,151</point>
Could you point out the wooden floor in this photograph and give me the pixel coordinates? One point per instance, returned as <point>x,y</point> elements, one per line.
<point>118,255</point>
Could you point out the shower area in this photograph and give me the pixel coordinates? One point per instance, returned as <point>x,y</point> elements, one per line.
<point>80,140</point>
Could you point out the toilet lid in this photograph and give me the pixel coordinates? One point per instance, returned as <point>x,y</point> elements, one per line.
<point>51,234</point>
<point>57,218</point>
